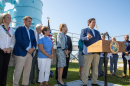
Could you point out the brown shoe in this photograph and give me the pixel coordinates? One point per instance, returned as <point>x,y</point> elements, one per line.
<point>25,85</point>
<point>124,75</point>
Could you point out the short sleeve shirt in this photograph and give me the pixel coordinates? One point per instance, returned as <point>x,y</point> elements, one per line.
<point>47,45</point>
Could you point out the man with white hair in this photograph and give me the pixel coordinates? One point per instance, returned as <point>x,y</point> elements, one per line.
<point>38,34</point>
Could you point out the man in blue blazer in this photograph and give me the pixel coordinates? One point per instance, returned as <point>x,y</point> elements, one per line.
<point>126,53</point>
<point>23,49</point>
<point>89,36</point>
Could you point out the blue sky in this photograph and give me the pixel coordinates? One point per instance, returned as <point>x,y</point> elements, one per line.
<point>112,16</point>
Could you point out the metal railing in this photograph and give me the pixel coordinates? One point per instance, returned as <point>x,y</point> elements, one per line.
<point>74,37</point>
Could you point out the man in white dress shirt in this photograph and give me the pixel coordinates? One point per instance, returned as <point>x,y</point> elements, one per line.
<point>38,34</point>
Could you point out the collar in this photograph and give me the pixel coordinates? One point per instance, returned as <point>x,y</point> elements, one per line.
<point>91,28</point>
<point>45,36</point>
<point>4,25</point>
<point>27,28</point>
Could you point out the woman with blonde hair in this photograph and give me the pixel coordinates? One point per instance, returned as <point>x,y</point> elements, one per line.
<point>61,52</point>
<point>7,41</point>
<point>113,61</point>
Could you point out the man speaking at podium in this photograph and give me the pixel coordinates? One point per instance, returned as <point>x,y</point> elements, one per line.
<point>89,36</point>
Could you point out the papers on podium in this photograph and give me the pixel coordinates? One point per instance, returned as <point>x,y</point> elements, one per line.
<point>127,57</point>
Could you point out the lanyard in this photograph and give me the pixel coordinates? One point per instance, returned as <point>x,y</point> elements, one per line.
<point>7,31</point>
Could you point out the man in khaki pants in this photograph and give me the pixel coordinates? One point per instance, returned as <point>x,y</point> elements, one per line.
<point>23,49</point>
<point>89,36</point>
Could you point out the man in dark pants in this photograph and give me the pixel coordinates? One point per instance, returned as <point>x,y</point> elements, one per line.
<point>69,44</point>
<point>127,52</point>
<point>34,61</point>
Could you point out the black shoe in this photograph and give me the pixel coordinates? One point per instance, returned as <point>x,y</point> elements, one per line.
<point>89,78</point>
<point>95,84</point>
<point>61,84</point>
<point>84,85</point>
<point>31,83</point>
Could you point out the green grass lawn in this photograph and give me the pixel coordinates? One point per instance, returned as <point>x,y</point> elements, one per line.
<point>73,74</point>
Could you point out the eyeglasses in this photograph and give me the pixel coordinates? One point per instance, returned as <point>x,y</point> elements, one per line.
<point>48,30</point>
<point>64,26</point>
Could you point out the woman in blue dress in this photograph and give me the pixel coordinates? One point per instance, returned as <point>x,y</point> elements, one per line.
<point>45,54</point>
<point>61,52</point>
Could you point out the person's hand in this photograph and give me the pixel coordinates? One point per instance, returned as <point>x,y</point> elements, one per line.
<point>9,50</point>
<point>5,50</point>
<point>67,53</point>
<point>89,36</point>
<point>50,56</point>
<point>126,53</point>
<point>30,51</point>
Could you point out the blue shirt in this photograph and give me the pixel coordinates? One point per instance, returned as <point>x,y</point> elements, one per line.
<point>47,45</point>
<point>29,39</point>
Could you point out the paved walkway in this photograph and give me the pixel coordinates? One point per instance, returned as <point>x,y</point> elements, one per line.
<point>79,83</point>
<point>101,83</point>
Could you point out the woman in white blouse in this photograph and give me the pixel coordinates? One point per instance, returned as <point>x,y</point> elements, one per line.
<point>7,41</point>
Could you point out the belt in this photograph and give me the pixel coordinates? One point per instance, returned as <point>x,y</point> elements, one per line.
<point>58,47</point>
<point>94,53</point>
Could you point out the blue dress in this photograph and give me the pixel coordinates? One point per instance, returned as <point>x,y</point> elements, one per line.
<point>60,54</point>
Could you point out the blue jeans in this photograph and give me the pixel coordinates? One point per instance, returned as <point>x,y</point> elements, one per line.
<point>113,61</point>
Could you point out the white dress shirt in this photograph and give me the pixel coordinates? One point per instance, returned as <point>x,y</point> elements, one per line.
<point>5,40</point>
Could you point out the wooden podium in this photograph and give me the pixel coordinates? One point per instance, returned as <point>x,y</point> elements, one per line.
<point>103,46</point>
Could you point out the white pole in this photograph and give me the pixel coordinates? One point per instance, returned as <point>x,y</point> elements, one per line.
<point>3,5</point>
